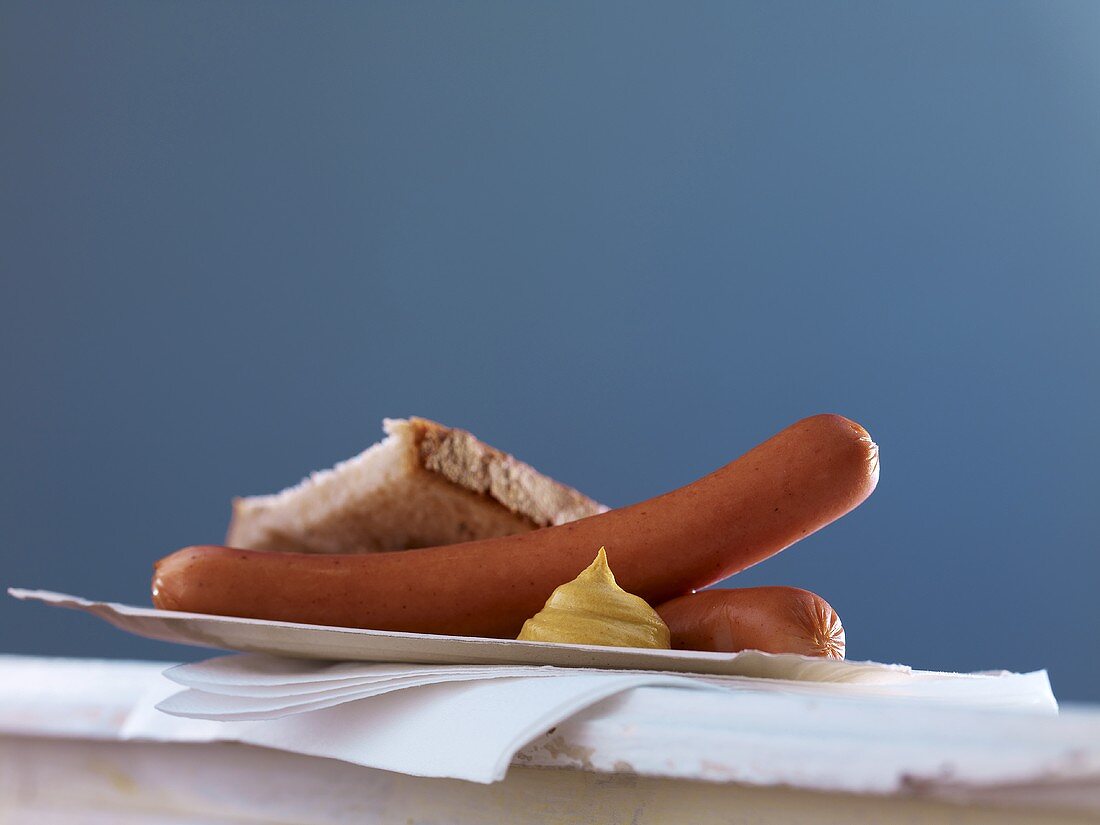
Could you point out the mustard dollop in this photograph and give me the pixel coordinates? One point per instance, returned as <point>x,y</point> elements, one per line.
<point>593,610</point>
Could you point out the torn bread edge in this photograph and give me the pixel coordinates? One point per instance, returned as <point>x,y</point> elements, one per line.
<point>425,484</point>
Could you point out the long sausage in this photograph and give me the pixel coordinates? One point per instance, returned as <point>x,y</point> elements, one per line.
<point>772,619</point>
<point>796,482</point>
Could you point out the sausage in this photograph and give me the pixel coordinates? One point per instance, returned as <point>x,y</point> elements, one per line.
<point>796,482</point>
<point>771,619</point>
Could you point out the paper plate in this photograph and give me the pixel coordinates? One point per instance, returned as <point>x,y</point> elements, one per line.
<point>351,644</point>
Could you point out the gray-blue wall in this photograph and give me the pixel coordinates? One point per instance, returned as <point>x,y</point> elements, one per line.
<point>625,241</point>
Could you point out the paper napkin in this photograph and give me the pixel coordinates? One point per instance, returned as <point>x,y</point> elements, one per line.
<point>461,729</point>
<point>462,721</point>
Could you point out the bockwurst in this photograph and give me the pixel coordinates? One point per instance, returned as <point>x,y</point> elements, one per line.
<point>793,484</point>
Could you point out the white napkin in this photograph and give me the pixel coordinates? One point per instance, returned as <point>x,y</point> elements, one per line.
<point>462,721</point>
<point>261,686</point>
<point>461,729</point>
<point>226,703</point>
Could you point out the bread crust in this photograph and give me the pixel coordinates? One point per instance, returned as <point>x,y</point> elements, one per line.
<point>463,459</point>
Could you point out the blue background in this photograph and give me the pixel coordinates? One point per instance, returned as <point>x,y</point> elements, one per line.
<point>626,241</point>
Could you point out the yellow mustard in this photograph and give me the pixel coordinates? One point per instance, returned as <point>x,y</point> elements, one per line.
<point>593,610</point>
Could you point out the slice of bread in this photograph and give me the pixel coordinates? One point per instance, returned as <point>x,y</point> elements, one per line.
<point>423,485</point>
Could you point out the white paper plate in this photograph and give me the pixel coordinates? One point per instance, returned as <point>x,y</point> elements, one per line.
<point>351,644</point>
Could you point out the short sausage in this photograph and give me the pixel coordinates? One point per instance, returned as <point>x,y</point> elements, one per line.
<point>771,619</point>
